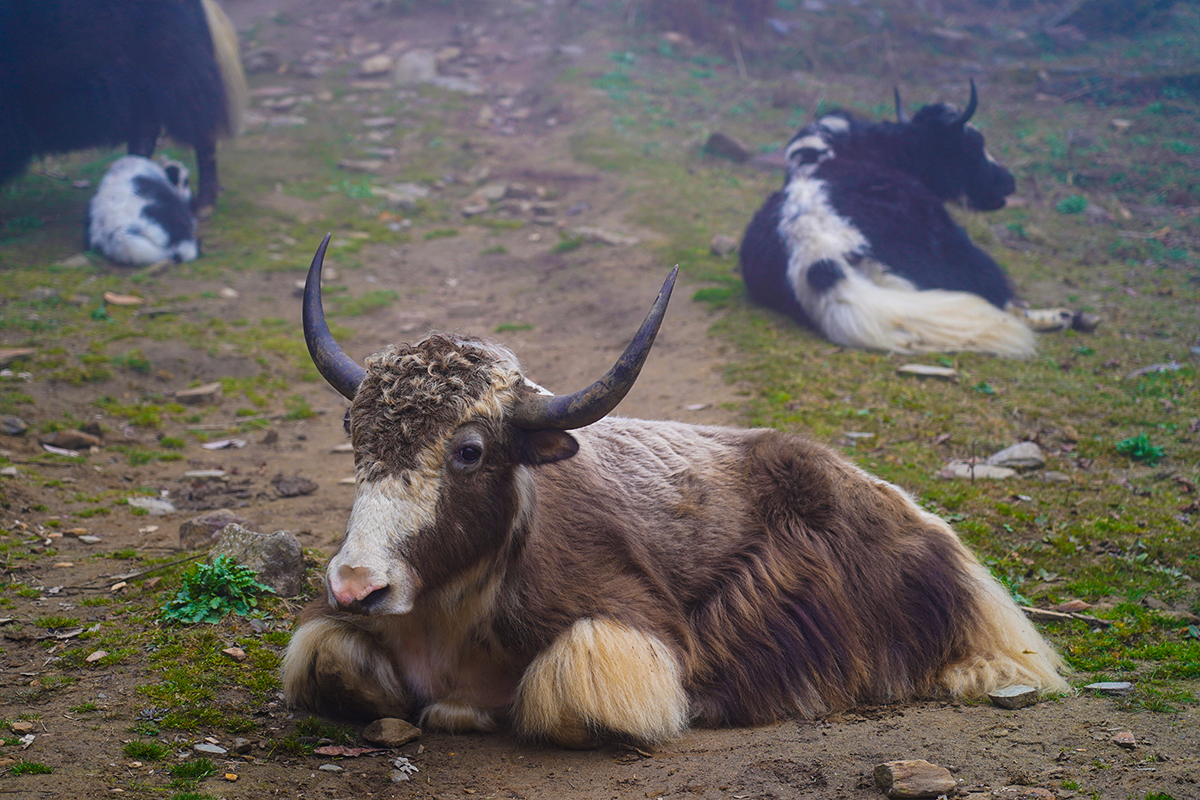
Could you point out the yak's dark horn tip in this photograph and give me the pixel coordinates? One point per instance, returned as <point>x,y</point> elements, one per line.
<point>575,410</point>
<point>342,372</point>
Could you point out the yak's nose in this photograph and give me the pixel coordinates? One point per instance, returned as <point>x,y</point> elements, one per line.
<point>356,587</point>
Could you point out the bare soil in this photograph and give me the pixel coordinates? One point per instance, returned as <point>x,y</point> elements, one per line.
<point>579,318</point>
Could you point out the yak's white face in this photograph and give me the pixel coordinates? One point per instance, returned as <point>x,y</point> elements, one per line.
<point>424,425</point>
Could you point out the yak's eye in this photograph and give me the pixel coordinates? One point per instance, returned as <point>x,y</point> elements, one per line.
<point>468,455</point>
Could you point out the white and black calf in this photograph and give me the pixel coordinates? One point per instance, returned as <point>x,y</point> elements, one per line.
<point>858,243</point>
<point>514,558</point>
<point>142,214</point>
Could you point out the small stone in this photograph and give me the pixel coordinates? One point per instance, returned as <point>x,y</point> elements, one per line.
<point>1125,739</point>
<point>377,65</point>
<point>1116,688</point>
<point>154,506</point>
<point>88,538</point>
<point>391,732</point>
<point>329,768</point>
<point>231,776</point>
<point>205,474</point>
<point>228,293</point>
<point>915,778</point>
<point>199,395</point>
<point>236,653</point>
<point>71,440</point>
<point>114,299</point>
<point>96,656</point>
<point>204,531</point>
<point>293,485</point>
<point>21,728</point>
<point>276,558</point>
<point>264,59</point>
<point>611,238</point>
<point>415,66</point>
<point>1015,696</point>
<point>723,245</point>
<point>209,749</point>
<point>720,144</point>
<point>1020,456</point>
<point>961,470</point>
<point>13,426</point>
<point>8,472</point>
<point>1053,476</point>
<point>365,167</point>
<point>241,745</point>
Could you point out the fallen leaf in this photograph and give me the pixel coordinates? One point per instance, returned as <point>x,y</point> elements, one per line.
<point>236,653</point>
<point>348,752</point>
<point>96,656</point>
<point>122,299</point>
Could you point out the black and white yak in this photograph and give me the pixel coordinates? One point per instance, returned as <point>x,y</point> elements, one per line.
<point>858,243</point>
<point>90,73</point>
<point>142,213</point>
<point>514,558</point>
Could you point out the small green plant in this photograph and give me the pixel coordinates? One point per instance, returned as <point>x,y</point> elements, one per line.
<point>210,591</point>
<point>1139,448</point>
<point>510,327</point>
<point>983,387</point>
<point>1072,204</point>
<point>145,751</point>
<point>29,768</point>
<point>189,773</point>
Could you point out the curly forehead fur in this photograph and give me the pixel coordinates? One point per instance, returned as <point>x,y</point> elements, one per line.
<point>416,395</point>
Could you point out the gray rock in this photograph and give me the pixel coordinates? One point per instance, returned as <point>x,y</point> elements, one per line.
<point>276,557</point>
<point>71,440</point>
<point>1021,456</point>
<point>204,531</point>
<point>723,245</point>
<point>1016,696</point>
<point>1051,476</point>
<point>329,768</point>
<point>961,470</point>
<point>8,472</point>
<point>13,426</point>
<point>293,485</point>
<point>916,778</point>
<point>1118,688</point>
<point>719,144</point>
<point>391,732</point>
<point>242,745</point>
<point>154,506</point>
<point>199,395</point>
<point>928,371</point>
<point>416,66</point>
<point>209,749</point>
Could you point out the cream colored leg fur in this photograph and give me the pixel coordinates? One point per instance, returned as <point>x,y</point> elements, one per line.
<point>330,658</point>
<point>602,676</point>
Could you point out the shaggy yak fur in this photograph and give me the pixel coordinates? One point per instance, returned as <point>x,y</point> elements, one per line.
<point>629,578</point>
<point>858,244</point>
<point>99,73</point>
<point>141,213</point>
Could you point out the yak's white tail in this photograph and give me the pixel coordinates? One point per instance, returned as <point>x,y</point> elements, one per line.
<point>857,312</point>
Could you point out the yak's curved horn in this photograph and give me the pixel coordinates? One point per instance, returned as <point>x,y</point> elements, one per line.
<point>566,412</point>
<point>901,114</point>
<point>969,111</point>
<point>342,372</point>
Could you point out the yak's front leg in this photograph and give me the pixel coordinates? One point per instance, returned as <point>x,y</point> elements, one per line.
<point>338,669</point>
<point>602,679</point>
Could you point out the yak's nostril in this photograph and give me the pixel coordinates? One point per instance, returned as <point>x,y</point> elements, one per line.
<point>374,598</point>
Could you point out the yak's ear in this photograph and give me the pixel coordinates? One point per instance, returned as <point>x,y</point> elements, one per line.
<point>547,446</point>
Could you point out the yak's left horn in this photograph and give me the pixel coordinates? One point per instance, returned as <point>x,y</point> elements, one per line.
<point>342,371</point>
<point>901,114</point>
<point>969,111</point>
<point>566,412</point>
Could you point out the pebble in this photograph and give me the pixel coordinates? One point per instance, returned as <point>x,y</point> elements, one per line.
<point>8,472</point>
<point>720,144</point>
<point>209,749</point>
<point>1015,696</point>
<point>154,506</point>
<point>13,426</point>
<point>913,778</point>
<point>1023,455</point>
<point>928,371</point>
<point>21,728</point>
<point>961,470</point>
<point>329,768</point>
<point>391,732</point>
<point>1125,739</point>
<point>199,395</point>
<point>1117,688</point>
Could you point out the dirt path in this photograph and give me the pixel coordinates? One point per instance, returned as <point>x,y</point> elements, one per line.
<point>568,316</point>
